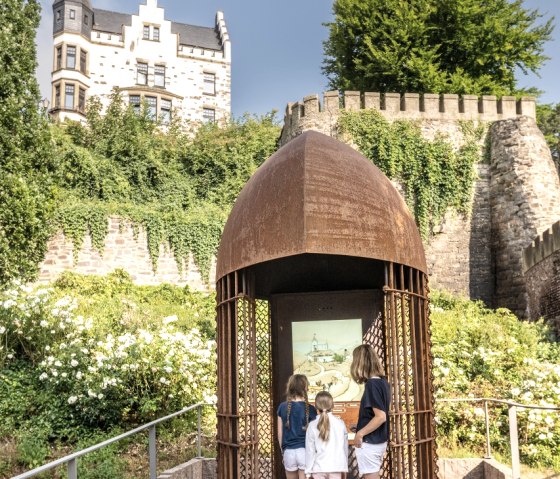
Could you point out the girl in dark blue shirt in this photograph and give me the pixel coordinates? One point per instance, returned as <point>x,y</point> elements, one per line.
<point>372,432</point>
<point>294,415</point>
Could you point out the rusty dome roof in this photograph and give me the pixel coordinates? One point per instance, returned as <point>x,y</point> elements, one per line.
<point>318,195</point>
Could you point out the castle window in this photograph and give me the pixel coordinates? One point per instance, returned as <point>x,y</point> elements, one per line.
<point>142,76</point>
<point>86,19</point>
<point>156,34</point>
<point>159,76</point>
<point>209,84</point>
<point>70,57</point>
<point>165,111</point>
<point>151,102</point>
<point>59,57</point>
<point>83,61</point>
<point>209,115</point>
<point>57,96</point>
<point>134,101</point>
<point>146,32</point>
<point>58,15</point>
<point>72,14</point>
<point>69,96</point>
<point>82,99</point>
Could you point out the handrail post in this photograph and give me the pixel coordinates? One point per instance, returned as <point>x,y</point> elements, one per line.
<point>73,469</point>
<point>488,451</point>
<point>514,442</point>
<point>152,451</point>
<point>198,436</point>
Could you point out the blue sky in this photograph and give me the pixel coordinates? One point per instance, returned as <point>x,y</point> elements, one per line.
<point>277,47</point>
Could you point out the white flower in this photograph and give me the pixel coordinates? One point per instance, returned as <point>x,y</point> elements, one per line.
<point>43,376</point>
<point>73,363</point>
<point>168,369</point>
<point>79,375</point>
<point>515,392</point>
<point>542,436</point>
<point>57,363</point>
<point>2,329</point>
<point>62,346</point>
<point>43,323</point>
<point>10,356</point>
<point>64,375</point>
<point>170,319</point>
<point>100,396</point>
<point>72,399</point>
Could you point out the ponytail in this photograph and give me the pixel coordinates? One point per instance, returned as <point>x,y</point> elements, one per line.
<point>324,402</point>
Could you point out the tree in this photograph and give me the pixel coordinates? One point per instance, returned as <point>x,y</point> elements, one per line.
<point>26,195</point>
<point>436,46</point>
<point>548,119</point>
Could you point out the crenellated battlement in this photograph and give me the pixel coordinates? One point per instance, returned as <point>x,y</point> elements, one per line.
<point>542,247</point>
<point>311,112</point>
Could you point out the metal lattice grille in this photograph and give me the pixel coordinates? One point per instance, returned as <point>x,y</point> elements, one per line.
<point>265,417</point>
<point>412,432</point>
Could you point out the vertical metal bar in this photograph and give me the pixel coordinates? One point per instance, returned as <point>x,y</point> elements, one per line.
<point>514,442</point>
<point>152,451</point>
<point>488,452</point>
<point>73,469</point>
<point>198,443</point>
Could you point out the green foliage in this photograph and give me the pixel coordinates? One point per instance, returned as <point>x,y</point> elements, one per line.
<point>222,160</point>
<point>148,352</point>
<point>548,119</point>
<point>434,176</point>
<point>479,352</point>
<point>178,185</point>
<point>26,191</point>
<point>437,46</point>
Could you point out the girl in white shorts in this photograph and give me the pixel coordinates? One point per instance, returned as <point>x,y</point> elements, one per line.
<point>372,432</point>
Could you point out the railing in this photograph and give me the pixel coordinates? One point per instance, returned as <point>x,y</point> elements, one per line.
<point>512,415</point>
<point>72,459</point>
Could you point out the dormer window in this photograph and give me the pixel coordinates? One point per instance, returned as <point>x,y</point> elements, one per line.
<point>58,15</point>
<point>86,19</point>
<point>72,14</point>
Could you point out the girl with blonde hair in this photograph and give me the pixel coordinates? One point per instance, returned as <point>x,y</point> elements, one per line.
<point>326,442</point>
<point>294,416</point>
<point>372,432</point>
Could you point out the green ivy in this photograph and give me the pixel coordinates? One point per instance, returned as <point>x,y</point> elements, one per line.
<point>197,231</point>
<point>434,176</point>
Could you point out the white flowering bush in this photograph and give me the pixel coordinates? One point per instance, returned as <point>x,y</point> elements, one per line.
<point>483,353</point>
<point>82,373</point>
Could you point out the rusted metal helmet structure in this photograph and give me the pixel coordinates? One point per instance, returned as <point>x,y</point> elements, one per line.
<point>320,242</point>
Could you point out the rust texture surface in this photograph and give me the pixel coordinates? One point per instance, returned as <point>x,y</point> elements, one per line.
<point>318,195</point>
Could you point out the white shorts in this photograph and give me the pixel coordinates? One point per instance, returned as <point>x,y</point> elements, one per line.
<point>370,457</point>
<point>294,459</point>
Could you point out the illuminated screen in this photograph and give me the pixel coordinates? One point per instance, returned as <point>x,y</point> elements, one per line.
<point>322,350</point>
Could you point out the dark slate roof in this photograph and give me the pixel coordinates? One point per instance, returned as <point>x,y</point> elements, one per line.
<point>203,37</point>
<point>111,22</point>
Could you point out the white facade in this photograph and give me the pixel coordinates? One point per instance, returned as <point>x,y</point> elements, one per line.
<point>171,66</point>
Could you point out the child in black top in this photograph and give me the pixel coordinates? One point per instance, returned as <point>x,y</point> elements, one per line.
<point>372,432</point>
<point>294,416</point>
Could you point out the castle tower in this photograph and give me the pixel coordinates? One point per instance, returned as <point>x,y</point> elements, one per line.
<point>72,25</point>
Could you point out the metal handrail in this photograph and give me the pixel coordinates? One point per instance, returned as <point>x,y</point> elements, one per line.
<point>72,459</point>
<point>513,434</point>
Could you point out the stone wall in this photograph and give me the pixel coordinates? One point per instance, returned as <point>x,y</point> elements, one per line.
<point>311,114</point>
<point>516,196</point>
<point>122,250</point>
<point>525,201</point>
<point>541,267</point>
<point>459,252</point>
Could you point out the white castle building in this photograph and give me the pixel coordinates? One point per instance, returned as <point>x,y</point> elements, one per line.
<point>173,67</point>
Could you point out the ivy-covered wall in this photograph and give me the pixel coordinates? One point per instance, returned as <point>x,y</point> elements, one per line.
<point>125,247</point>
